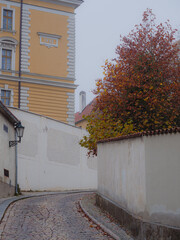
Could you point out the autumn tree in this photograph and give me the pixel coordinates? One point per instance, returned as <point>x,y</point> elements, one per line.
<point>140,90</point>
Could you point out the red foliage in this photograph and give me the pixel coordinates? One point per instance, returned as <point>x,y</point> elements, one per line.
<point>143,83</point>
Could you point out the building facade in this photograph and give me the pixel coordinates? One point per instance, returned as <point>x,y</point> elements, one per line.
<point>37,56</point>
<point>84,110</point>
<point>7,154</point>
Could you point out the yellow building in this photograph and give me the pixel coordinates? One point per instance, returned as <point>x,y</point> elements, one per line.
<point>37,56</point>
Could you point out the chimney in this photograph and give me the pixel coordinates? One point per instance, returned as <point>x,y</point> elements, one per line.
<point>82,101</point>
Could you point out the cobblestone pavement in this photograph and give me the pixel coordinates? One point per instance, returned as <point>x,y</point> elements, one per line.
<point>53,217</point>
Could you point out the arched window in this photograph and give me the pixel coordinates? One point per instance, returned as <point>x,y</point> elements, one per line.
<point>7,54</point>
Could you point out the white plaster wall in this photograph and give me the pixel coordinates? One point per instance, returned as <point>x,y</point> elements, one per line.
<point>142,175</point>
<point>162,154</point>
<point>7,158</point>
<point>121,173</point>
<point>50,157</point>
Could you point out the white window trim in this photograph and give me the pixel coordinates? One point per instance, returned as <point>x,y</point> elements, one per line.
<point>11,94</point>
<point>9,46</point>
<point>13,19</point>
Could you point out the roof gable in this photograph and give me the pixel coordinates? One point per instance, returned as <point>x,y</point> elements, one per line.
<point>8,114</point>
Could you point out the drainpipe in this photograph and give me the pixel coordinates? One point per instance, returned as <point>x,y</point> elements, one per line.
<point>16,166</point>
<point>20,41</point>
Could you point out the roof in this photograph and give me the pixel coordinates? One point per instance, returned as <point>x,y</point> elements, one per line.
<point>86,111</point>
<point>73,3</point>
<point>140,134</point>
<point>8,114</point>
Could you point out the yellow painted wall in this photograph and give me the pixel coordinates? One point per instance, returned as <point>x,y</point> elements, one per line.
<point>50,5</point>
<point>16,35</point>
<point>43,99</point>
<point>44,60</point>
<point>46,5</point>
<point>47,78</point>
<point>47,100</point>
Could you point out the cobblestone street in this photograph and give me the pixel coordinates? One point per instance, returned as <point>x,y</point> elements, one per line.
<point>51,217</point>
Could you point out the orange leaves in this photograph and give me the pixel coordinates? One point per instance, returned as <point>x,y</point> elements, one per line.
<point>141,88</point>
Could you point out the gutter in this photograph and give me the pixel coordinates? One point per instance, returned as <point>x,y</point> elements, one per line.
<point>20,41</point>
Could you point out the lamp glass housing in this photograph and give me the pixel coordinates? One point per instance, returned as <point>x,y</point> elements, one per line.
<point>20,131</point>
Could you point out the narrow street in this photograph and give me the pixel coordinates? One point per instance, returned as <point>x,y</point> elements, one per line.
<point>51,217</point>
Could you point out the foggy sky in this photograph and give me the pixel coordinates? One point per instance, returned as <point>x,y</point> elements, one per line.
<point>99,24</point>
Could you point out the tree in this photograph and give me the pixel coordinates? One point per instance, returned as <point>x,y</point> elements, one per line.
<point>140,90</point>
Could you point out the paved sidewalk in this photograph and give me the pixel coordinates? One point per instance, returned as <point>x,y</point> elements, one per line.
<point>87,204</point>
<point>102,218</point>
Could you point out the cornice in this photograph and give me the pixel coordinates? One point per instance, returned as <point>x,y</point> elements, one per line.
<point>69,3</point>
<point>48,35</point>
<point>48,76</point>
<point>36,75</point>
<point>39,81</point>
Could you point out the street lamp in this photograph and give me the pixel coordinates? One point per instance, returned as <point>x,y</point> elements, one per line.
<point>19,131</point>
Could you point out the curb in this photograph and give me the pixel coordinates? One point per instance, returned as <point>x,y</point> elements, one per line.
<point>6,203</point>
<point>104,228</point>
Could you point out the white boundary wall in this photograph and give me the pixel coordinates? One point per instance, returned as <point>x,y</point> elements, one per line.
<point>50,157</point>
<point>142,175</point>
<point>7,158</point>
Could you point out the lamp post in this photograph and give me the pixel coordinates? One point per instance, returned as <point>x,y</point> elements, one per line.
<point>19,131</point>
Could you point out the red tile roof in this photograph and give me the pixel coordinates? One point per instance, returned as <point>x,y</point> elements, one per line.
<point>146,133</point>
<point>86,111</point>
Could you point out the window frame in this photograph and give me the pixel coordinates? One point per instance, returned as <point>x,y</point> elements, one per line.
<point>13,19</point>
<point>6,57</point>
<point>8,43</point>
<point>6,88</point>
<point>7,18</point>
<point>4,98</point>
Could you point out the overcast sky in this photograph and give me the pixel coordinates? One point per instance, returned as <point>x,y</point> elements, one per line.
<point>99,24</point>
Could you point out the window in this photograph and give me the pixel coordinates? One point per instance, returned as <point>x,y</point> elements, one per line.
<point>7,16</point>
<point>7,19</point>
<point>5,127</point>
<point>7,54</point>
<point>6,59</point>
<point>6,97</point>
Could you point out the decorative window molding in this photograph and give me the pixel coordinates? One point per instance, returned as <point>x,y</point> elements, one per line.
<point>8,43</point>
<point>11,94</point>
<point>13,20</point>
<point>49,40</point>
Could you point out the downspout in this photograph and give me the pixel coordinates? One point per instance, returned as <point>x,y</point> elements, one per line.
<point>20,41</point>
<point>16,166</point>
